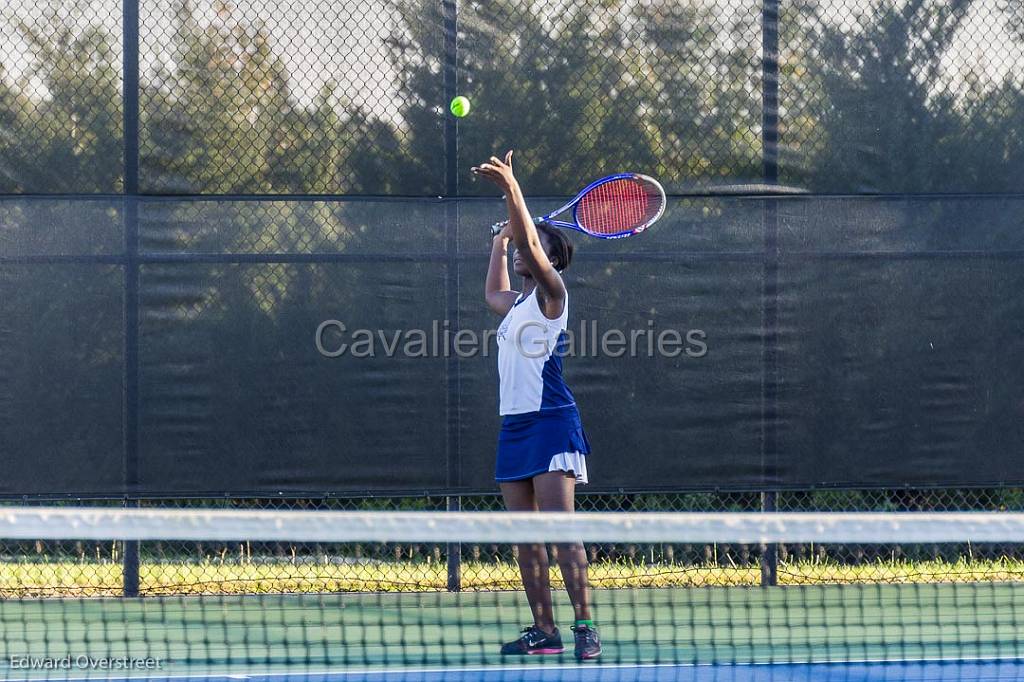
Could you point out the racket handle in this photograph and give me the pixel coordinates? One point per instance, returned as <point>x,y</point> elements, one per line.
<point>497,227</point>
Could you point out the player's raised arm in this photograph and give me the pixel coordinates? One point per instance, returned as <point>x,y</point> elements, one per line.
<point>523,231</point>
<point>498,289</point>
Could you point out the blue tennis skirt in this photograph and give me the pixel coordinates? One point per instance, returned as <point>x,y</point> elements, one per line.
<point>528,441</point>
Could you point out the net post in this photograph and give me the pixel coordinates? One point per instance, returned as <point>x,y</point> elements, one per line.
<point>769,551</point>
<point>454,551</point>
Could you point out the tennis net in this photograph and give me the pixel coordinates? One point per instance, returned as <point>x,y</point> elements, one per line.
<point>260,592</point>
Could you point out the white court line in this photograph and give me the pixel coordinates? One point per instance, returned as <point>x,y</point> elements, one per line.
<point>501,669</point>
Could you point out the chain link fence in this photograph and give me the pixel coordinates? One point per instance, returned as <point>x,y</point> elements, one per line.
<point>299,97</point>
<point>306,97</point>
<point>47,568</point>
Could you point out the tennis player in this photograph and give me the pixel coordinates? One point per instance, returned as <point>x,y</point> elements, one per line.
<point>542,447</point>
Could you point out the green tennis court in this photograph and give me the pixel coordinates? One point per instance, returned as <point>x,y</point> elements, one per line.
<point>201,636</point>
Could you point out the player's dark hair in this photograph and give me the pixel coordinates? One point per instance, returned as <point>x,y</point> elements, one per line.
<point>559,247</point>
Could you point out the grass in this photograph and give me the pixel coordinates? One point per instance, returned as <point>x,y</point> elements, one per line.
<point>91,578</point>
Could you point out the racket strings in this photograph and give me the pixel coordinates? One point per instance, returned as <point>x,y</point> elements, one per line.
<point>618,206</point>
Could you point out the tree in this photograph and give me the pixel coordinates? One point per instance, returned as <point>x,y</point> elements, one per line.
<point>888,123</point>
<point>583,90</point>
<point>67,138</point>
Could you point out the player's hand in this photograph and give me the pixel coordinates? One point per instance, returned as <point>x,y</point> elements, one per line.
<point>505,234</point>
<point>497,171</point>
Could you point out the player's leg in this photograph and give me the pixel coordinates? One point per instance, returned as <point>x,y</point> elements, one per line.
<point>543,637</point>
<point>554,492</point>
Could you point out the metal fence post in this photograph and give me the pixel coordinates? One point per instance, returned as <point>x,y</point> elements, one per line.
<point>770,90</point>
<point>769,552</point>
<point>131,277</point>
<point>454,551</point>
<point>449,10</point>
<point>770,312</point>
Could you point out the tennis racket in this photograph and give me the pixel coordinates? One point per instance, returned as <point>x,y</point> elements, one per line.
<point>616,206</point>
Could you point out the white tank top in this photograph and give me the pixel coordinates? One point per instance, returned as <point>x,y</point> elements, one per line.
<point>530,349</point>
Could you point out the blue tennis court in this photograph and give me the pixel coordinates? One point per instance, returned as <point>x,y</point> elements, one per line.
<point>904,671</point>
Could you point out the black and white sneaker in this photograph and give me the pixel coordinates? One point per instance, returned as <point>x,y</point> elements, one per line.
<point>588,644</point>
<point>534,641</point>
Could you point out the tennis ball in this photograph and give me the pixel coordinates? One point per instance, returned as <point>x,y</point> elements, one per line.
<point>460,106</point>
